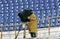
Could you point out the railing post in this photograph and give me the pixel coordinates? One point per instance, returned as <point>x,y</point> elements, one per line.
<point>49,26</point>
<point>15,30</point>
<point>0,32</point>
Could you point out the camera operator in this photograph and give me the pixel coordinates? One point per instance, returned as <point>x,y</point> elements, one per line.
<point>30,17</point>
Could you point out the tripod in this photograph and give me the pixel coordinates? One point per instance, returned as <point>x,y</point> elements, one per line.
<point>17,35</point>
<point>24,31</point>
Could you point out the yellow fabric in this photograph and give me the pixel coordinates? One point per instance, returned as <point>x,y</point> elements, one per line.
<point>32,25</point>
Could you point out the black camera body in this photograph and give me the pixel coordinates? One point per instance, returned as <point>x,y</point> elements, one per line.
<point>24,15</point>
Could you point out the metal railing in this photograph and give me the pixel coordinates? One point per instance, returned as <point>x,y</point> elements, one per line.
<point>27,22</point>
